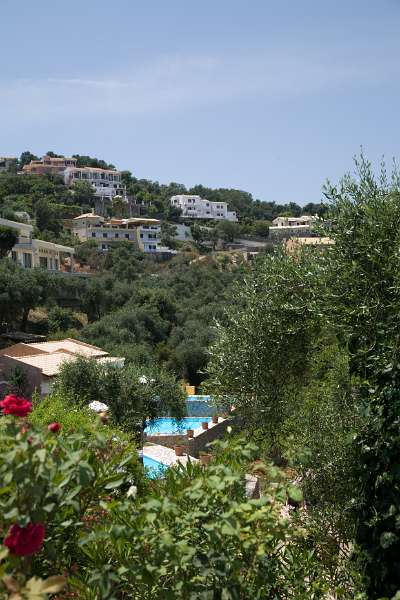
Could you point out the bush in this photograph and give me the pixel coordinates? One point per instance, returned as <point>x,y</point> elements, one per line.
<point>54,483</point>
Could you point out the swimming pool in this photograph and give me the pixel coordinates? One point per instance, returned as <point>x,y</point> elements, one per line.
<point>154,467</point>
<point>198,398</point>
<point>171,426</point>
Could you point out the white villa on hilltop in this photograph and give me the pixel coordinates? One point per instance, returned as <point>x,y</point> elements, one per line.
<point>196,207</point>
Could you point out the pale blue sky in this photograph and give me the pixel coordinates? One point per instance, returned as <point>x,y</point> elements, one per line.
<point>268,96</point>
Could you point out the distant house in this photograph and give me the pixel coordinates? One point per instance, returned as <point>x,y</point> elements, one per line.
<point>286,227</point>
<point>144,234</point>
<point>30,252</point>
<point>49,165</point>
<point>195,207</point>
<point>293,244</point>
<point>107,183</point>
<point>41,362</point>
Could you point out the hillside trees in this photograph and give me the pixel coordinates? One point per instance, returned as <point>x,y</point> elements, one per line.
<point>22,290</point>
<point>8,238</point>
<point>312,351</point>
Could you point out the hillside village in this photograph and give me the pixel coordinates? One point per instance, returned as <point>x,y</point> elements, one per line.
<point>118,213</point>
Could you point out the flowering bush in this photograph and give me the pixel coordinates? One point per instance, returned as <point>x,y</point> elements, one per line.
<point>16,405</point>
<point>54,427</point>
<point>52,487</point>
<point>79,508</point>
<point>24,541</point>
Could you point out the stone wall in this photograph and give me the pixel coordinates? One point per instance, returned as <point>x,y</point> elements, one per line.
<point>169,440</point>
<point>201,441</point>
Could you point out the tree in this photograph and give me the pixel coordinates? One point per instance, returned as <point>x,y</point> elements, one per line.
<point>22,290</point>
<point>84,193</point>
<point>26,158</point>
<point>168,233</point>
<point>119,206</point>
<point>8,239</point>
<point>47,216</point>
<point>227,230</point>
<point>132,393</point>
<point>265,341</point>
<point>363,303</point>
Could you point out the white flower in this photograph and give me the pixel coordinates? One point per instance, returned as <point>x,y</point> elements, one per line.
<point>97,406</point>
<point>131,493</point>
<point>229,429</point>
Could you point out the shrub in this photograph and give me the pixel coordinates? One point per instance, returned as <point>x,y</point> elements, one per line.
<point>52,485</point>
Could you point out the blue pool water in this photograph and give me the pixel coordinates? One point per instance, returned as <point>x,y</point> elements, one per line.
<point>170,425</point>
<point>198,398</point>
<point>154,468</point>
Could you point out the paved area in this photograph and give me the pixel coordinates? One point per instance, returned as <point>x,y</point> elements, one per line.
<point>165,455</point>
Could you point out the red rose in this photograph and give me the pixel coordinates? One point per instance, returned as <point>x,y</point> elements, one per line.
<point>24,541</point>
<point>16,405</point>
<point>54,427</point>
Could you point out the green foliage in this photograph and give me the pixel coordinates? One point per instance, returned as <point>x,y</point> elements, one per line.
<point>17,381</point>
<point>8,239</point>
<point>264,345</point>
<point>132,393</point>
<point>159,312</point>
<point>364,303</point>
<point>73,418</point>
<point>58,480</point>
<point>197,536</point>
<point>22,290</point>
<point>61,319</point>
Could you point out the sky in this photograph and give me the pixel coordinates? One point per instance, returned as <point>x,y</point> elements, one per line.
<point>268,96</point>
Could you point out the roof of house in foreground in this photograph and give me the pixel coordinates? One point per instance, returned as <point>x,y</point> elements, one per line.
<point>70,345</point>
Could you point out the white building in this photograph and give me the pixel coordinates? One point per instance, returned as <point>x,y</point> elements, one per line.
<point>286,227</point>
<point>145,234</point>
<point>106,182</point>
<point>30,252</point>
<point>196,207</point>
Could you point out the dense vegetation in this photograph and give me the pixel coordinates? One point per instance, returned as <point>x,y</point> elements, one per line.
<point>314,350</point>
<point>306,348</point>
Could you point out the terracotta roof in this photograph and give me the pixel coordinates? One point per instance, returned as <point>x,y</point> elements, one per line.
<point>48,363</point>
<point>21,349</point>
<point>70,345</point>
<point>86,215</point>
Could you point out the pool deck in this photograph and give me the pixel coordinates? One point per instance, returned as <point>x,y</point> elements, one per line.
<point>165,455</point>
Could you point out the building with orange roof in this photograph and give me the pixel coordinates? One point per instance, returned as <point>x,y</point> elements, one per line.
<point>41,362</point>
<point>49,165</point>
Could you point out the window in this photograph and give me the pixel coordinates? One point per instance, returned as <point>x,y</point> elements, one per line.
<point>14,256</point>
<point>93,234</point>
<point>127,236</point>
<point>104,246</point>
<point>104,235</point>
<point>141,236</point>
<point>27,260</point>
<point>117,235</point>
<point>43,262</point>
